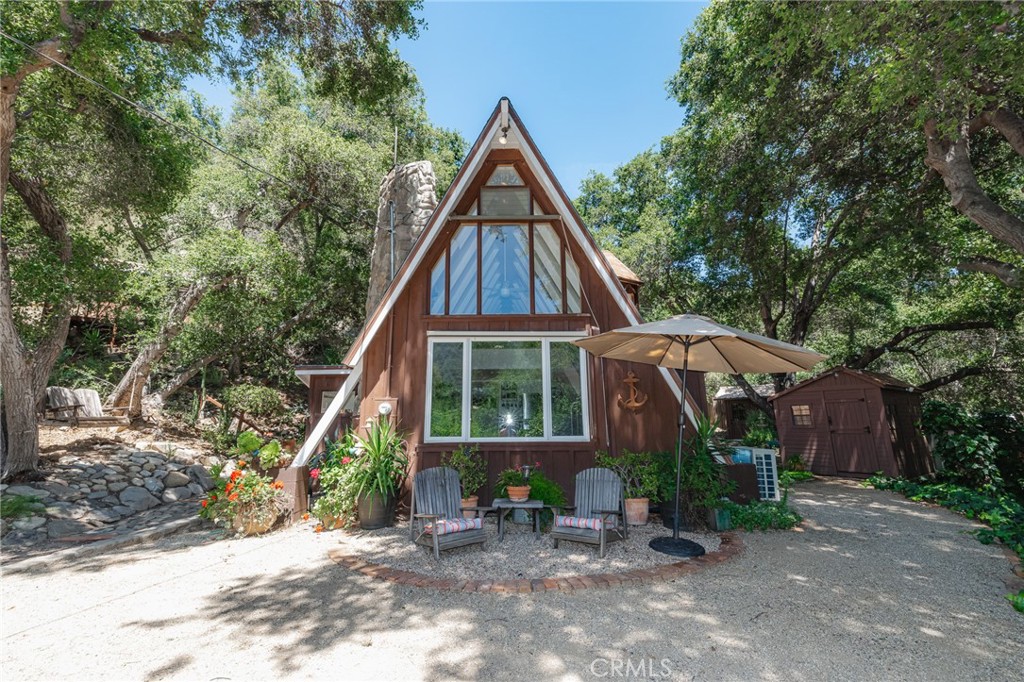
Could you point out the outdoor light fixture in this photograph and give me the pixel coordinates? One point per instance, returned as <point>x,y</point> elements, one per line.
<point>503,139</point>
<point>384,409</point>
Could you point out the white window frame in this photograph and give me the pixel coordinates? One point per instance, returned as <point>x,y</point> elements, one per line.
<point>467,359</point>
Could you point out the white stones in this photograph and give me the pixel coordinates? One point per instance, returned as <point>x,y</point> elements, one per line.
<point>30,523</point>
<point>137,498</point>
<point>175,494</point>
<point>176,479</point>
<point>200,475</point>
<point>25,490</point>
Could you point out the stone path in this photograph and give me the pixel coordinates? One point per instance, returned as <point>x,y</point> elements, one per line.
<point>115,490</point>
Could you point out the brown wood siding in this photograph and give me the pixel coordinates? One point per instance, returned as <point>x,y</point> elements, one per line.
<point>896,452</point>
<point>395,367</point>
<point>318,384</point>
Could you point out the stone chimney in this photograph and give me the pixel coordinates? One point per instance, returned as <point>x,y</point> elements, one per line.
<point>412,189</point>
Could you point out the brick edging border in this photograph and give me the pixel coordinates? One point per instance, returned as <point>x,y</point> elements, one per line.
<point>731,546</point>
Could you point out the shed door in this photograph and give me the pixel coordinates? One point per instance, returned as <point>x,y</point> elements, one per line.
<point>852,441</point>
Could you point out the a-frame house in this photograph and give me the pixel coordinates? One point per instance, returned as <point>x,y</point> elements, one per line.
<point>470,342</point>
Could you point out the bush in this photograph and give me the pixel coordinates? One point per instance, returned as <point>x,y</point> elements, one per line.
<point>257,401</point>
<point>1002,513</point>
<point>963,447</point>
<point>788,478</point>
<point>1017,600</point>
<point>762,515</point>
<point>638,472</point>
<point>703,483</point>
<point>761,431</point>
<point>472,468</point>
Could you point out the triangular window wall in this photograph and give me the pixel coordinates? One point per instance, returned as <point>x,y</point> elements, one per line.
<point>503,259</point>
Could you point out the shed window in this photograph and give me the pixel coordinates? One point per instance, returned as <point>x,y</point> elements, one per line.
<point>801,415</point>
<point>506,389</point>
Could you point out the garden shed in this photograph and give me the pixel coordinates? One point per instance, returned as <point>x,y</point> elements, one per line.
<point>847,422</point>
<point>731,407</point>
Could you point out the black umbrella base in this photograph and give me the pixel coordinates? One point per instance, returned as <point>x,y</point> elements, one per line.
<point>676,547</point>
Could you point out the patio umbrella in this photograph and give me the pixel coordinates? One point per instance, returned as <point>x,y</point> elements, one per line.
<point>686,341</point>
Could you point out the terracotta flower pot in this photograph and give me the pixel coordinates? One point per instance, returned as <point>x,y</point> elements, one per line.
<point>519,493</point>
<point>636,510</point>
<point>471,501</point>
<point>248,524</point>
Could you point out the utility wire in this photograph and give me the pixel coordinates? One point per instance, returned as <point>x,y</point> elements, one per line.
<point>181,129</point>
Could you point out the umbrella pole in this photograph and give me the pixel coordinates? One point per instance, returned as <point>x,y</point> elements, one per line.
<point>679,442</point>
<point>676,546</point>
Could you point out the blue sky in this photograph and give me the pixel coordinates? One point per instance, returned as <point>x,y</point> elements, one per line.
<point>587,78</point>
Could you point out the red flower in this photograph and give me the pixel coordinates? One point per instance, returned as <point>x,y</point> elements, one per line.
<point>346,460</point>
<point>278,485</point>
<point>229,487</point>
<point>314,473</point>
<point>537,465</point>
<point>235,475</point>
<point>204,503</point>
<point>241,464</point>
<point>233,497</point>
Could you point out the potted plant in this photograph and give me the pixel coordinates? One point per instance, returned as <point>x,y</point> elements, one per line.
<point>472,469</point>
<point>515,483</point>
<point>703,482</point>
<point>639,479</point>
<point>335,505</point>
<point>377,474</point>
<point>245,500</point>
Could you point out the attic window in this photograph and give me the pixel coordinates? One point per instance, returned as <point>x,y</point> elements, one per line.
<point>505,201</point>
<point>517,269</point>
<point>504,176</point>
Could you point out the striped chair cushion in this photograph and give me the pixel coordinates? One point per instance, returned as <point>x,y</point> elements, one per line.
<point>579,522</point>
<point>446,526</point>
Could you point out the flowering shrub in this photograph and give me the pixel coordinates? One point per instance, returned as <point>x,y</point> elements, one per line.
<point>353,467</point>
<point>244,494</point>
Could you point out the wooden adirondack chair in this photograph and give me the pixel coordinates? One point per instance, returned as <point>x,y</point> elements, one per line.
<point>437,497</point>
<point>599,501</point>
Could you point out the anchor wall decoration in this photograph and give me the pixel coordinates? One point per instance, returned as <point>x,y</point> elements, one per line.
<point>636,399</point>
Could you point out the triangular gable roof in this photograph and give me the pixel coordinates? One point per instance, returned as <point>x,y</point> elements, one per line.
<point>876,378</point>
<point>518,137</point>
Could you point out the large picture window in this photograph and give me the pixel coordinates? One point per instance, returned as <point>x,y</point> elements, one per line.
<point>486,388</point>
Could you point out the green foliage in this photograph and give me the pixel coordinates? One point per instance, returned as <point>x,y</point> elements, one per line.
<point>762,515</point>
<point>703,483</point>
<point>795,462</point>
<point>638,472</point>
<point>1017,600</point>
<point>257,401</point>
<point>382,463</point>
<point>1002,513</point>
<point>472,468</point>
<point>16,506</point>
<point>541,488</point>
<point>244,494</point>
<point>787,477</point>
<point>967,453</point>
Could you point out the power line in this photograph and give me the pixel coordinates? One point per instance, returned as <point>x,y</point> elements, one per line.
<point>181,129</point>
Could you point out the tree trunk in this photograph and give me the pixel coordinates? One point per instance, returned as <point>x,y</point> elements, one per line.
<point>19,398</point>
<point>760,402</point>
<point>128,392</point>
<point>24,372</point>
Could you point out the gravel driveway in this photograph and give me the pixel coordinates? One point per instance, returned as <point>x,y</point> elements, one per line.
<point>875,588</point>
